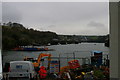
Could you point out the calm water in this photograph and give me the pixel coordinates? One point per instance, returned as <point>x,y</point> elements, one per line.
<point>80,50</point>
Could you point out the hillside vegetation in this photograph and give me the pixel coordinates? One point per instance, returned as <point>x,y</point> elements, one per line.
<point>14,34</point>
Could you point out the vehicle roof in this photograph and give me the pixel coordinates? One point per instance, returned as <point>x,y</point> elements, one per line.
<point>20,62</point>
<point>97,51</point>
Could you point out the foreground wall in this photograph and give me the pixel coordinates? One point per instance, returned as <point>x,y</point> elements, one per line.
<point>114,40</point>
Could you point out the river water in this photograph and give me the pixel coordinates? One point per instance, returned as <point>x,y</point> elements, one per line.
<point>80,50</point>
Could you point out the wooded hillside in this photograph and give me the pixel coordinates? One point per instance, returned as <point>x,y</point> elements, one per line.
<point>14,34</point>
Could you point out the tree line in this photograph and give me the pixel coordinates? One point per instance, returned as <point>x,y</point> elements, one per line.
<point>15,34</point>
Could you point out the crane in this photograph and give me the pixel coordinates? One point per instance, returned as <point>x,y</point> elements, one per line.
<point>37,62</point>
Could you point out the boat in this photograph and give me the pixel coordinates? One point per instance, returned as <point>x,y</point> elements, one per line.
<point>31,49</point>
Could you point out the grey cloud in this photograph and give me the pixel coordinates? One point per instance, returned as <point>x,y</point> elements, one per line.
<point>51,15</point>
<point>95,24</point>
<point>58,12</point>
<point>10,13</point>
<point>71,12</point>
<point>51,26</point>
<point>94,31</point>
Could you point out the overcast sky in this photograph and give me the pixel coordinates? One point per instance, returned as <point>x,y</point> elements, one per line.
<point>74,18</point>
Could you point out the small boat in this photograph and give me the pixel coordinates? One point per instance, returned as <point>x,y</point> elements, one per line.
<point>30,49</point>
<point>48,44</point>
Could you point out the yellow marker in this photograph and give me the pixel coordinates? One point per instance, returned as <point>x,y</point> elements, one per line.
<point>83,73</point>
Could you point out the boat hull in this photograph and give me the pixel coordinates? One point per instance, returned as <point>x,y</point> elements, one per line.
<point>31,49</point>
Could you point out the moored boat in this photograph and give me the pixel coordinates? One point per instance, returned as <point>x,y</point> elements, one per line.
<point>31,49</point>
